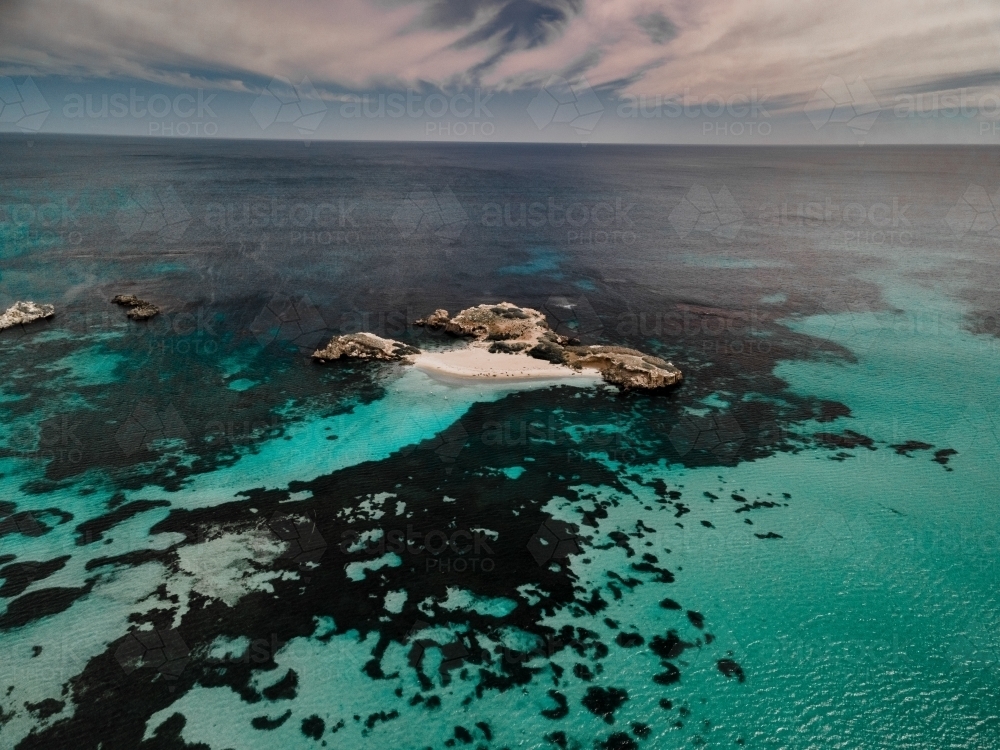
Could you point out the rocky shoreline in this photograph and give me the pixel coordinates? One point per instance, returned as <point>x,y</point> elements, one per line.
<point>499,332</point>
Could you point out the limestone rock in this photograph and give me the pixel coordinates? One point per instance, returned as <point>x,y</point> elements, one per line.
<point>138,309</point>
<point>502,322</point>
<point>365,346</point>
<point>22,313</point>
<point>626,368</point>
<point>437,319</point>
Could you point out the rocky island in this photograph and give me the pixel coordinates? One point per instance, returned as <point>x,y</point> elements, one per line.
<point>510,342</point>
<point>138,309</point>
<point>363,346</point>
<point>22,313</point>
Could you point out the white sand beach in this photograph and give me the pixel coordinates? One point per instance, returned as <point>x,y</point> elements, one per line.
<point>477,363</point>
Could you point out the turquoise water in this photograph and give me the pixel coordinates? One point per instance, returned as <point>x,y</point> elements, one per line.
<point>812,511</point>
<point>869,622</point>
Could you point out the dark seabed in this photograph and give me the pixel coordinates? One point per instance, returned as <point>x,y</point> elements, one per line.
<point>207,540</point>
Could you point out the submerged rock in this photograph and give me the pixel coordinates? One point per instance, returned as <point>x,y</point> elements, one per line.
<point>363,346</point>
<point>138,309</point>
<point>22,313</point>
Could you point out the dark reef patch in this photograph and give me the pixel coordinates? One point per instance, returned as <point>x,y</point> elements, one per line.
<point>313,727</point>
<point>18,576</point>
<point>603,702</point>
<point>629,640</point>
<point>45,708</point>
<point>92,530</point>
<point>669,676</point>
<point>849,440</point>
<point>619,741</point>
<point>943,456</point>
<point>669,646</point>
<point>905,449</point>
<point>39,604</point>
<point>283,689</point>
<point>265,723</point>
<point>551,434</point>
<point>696,618</point>
<point>561,709</point>
<point>730,669</point>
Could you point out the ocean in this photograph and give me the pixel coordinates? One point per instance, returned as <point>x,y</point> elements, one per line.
<point>209,541</point>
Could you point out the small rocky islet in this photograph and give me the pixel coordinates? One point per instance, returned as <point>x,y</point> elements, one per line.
<point>22,313</point>
<point>364,346</point>
<point>137,309</point>
<point>518,331</point>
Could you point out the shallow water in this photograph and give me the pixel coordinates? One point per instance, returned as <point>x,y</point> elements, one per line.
<point>794,549</point>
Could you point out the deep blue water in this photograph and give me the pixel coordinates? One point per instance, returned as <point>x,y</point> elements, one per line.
<point>208,541</point>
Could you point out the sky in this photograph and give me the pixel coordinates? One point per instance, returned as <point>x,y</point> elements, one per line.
<point>714,72</point>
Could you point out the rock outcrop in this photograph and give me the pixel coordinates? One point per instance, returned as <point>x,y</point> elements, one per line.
<point>522,330</point>
<point>437,319</point>
<point>626,368</point>
<point>138,309</point>
<point>363,346</point>
<point>503,322</point>
<point>22,313</point>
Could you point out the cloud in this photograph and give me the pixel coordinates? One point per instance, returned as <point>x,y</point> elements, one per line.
<point>660,28</point>
<point>502,26</point>
<point>353,44</point>
<point>783,49</point>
